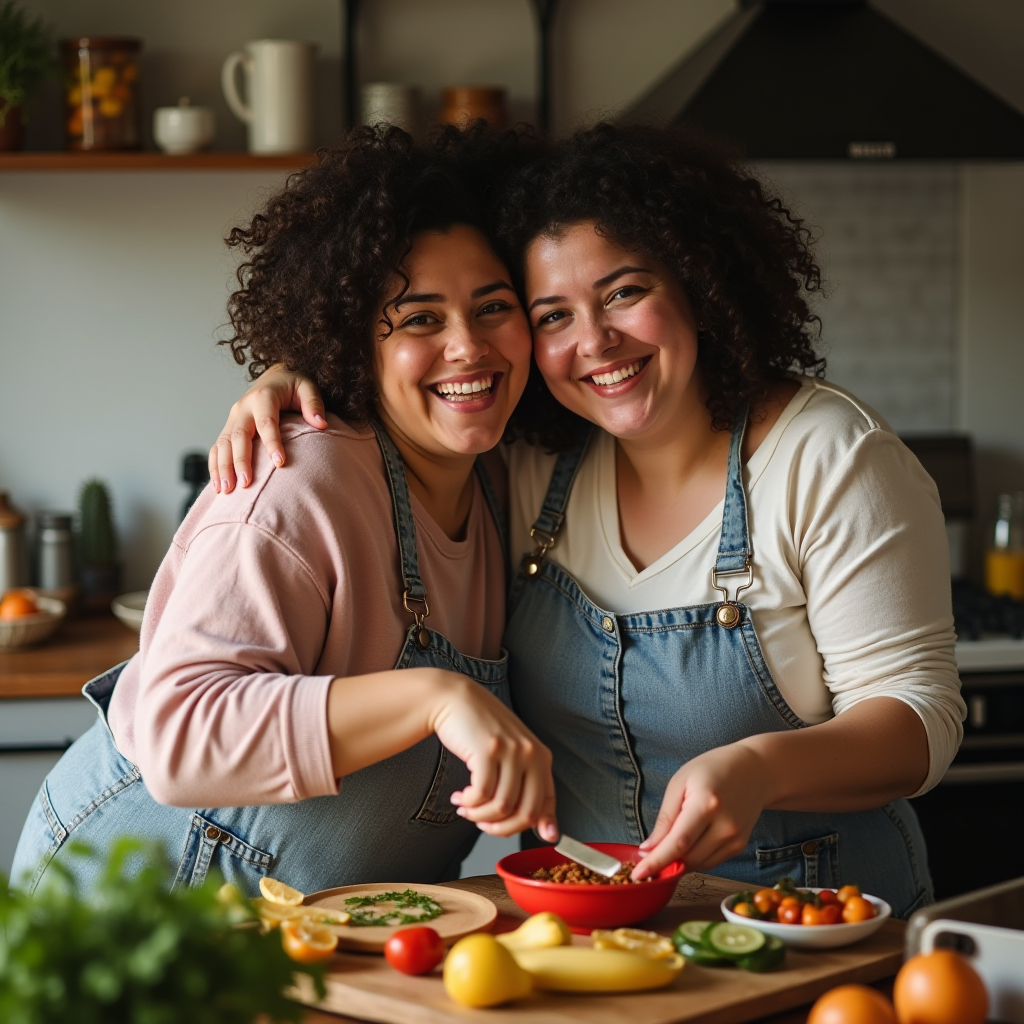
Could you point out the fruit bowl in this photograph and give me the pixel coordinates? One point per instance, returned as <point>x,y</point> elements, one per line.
<point>32,629</point>
<point>816,936</point>
<point>584,907</point>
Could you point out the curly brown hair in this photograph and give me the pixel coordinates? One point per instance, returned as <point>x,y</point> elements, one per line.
<point>743,259</point>
<point>322,253</point>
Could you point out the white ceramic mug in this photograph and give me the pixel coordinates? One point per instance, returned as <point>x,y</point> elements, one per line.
<point>279,86</point>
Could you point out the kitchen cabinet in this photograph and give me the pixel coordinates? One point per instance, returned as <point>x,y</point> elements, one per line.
<point>42,710</point>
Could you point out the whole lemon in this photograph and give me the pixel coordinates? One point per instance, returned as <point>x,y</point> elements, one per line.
<point>940,987</point>
<point>480,971</point>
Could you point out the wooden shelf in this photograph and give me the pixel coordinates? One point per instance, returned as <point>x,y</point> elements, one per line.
<point>61,666</point>
<point>113,161</point>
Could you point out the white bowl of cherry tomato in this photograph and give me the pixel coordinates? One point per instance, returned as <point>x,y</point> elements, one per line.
<point>809,918</point>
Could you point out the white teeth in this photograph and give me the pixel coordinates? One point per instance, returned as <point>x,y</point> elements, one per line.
<point>474,387</point>
<point>616,376</point>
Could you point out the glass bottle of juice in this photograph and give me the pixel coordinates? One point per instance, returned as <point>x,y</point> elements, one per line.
<point>1004,560</point>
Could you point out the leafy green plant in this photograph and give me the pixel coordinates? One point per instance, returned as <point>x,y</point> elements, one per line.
<point>97,535</point>
<point>137,952</point>
<point>26,56</point>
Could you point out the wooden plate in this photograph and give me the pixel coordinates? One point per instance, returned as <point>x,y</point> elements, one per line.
<point>464,913</point>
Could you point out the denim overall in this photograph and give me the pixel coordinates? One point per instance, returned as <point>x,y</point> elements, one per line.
<point>623,701</point>
<point>391,821</point>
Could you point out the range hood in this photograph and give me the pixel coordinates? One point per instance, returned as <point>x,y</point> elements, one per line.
<point>831,79</point>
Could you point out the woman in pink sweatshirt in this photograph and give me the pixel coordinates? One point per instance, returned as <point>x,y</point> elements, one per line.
<point>320,692</point>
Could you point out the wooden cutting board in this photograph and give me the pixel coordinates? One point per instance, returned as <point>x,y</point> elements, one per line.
<point>365,987</point>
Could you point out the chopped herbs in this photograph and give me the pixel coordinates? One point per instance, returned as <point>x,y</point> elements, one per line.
<point>410,907</point>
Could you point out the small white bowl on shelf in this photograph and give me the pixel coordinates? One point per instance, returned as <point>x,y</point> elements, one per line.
<point>33,629</point>
<point>130,608</point>
<point>815,936</point>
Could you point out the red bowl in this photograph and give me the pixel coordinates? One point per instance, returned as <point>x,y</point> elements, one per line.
<point>584,907</point>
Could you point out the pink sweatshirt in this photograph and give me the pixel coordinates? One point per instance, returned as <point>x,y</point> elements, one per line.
<point>269,593</point>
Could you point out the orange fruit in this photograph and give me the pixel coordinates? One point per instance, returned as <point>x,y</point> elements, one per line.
<point>17,604</point>
<point>852,1004</point>
<point>940,987</point>
<point>306,942</point>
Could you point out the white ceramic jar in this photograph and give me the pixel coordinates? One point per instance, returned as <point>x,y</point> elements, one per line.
<point>184,128</point>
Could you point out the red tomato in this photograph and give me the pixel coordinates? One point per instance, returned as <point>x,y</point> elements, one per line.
<point>827,896</point>
<point>790,910</point>
<point>414,950</point>
<point>832,913</point>
<point>813,915</point>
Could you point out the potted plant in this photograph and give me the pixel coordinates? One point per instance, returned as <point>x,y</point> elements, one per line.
<point>136,951</point>
<point>99,568</point>
<point>26,58</point>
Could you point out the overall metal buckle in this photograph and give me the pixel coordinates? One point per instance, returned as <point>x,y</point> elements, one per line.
<point>727,614</point>
<point>422,633</point>
<point>545,542</point>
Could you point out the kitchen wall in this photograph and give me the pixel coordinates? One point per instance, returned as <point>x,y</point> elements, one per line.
<point>112,286</point>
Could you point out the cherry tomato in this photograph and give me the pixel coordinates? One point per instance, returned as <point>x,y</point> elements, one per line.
<point>790,910</point>
<point>746,910</point>
<point>846,892</point>
<point>827,896</point>
<point>812,915</point>
<point>414,950</point>
<point>856,908</point>
<point>766,900</point>
<point>832,913</point>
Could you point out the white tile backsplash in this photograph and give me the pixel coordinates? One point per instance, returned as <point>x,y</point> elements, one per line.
<point>889,246</point>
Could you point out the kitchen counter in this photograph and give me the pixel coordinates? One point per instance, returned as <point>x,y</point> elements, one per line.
<point>80,650</point>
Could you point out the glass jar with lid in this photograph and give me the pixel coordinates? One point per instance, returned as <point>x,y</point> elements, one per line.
<point>102,92</point>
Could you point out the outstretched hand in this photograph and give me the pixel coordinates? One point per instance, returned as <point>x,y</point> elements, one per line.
<point>259,411</point>
<point>709,809</point>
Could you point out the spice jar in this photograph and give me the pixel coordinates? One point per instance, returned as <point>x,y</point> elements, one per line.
<point>13,557</point>
<point>102,92</point>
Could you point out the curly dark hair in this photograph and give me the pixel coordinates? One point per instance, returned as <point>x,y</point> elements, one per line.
<point>743,259</point>
<point>321,254</point>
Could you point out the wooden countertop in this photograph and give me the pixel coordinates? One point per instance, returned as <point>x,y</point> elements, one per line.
<point>60,667</point>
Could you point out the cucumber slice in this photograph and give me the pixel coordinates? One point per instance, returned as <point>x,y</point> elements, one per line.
<point>734,940</point>
<point>693,931</point>
<point>698,954</point>
<point>767,958</point>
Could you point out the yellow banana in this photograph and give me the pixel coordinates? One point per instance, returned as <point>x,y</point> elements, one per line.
<point>580,969</point>
<point>537,932</point>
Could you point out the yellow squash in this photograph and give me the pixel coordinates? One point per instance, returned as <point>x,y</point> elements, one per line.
<point>579,969</point>
<point>538,932</point>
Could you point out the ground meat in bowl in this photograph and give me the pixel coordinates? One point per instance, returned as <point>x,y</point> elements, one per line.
<point>571,873</point>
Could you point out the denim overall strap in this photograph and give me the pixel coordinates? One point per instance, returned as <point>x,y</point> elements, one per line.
<point>497,512</point>
<point>552,512</point>
<point>734,552</point>
<point>405,527</point>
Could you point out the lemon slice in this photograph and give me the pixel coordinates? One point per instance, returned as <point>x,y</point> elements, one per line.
<point>651,944</point>
<point>307,942</point>
<point>324,915</point>
<point>278,892</point>
<point>274,913</point>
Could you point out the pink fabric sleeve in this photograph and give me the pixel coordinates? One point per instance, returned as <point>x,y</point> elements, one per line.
<point>228,711</point>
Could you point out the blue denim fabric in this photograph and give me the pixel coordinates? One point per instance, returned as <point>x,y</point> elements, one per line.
<point>624,700</point>
<point>392,820</point>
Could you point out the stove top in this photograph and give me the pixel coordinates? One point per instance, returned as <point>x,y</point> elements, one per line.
<point>989,630</point>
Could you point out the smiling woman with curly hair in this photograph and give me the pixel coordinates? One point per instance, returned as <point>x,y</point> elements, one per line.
<point>732,621</point>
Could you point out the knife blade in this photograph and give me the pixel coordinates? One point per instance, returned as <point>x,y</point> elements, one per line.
<point>588,856</point>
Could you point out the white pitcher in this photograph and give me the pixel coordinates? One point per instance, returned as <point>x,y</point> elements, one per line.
<point>279,87</point>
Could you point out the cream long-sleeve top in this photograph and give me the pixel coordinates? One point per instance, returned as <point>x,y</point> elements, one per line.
<point>851,593</point>
<point>269,593</point>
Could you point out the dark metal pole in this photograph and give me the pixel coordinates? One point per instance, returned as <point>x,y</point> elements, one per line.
<point>545,11</point>
<point>349,20</point>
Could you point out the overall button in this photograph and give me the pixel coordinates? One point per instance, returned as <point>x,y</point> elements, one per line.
<point>213,833</point>
<point>809,849</point>
<point>727,615</point>
<point>607,624</point>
